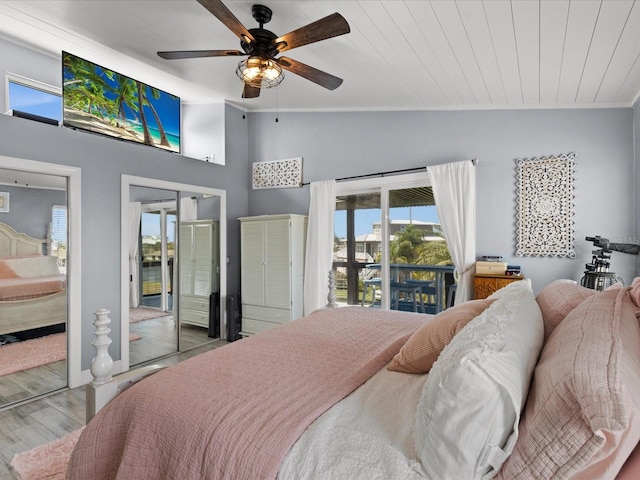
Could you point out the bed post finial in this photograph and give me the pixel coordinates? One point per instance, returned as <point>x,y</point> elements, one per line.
<point>332,290</point>
<point>102,363</point>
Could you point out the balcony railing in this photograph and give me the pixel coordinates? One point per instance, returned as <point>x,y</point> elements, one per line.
<point>413,287</point>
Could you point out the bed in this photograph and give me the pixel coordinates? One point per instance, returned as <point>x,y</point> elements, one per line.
<point>32,289</point>
<point>513,387</point>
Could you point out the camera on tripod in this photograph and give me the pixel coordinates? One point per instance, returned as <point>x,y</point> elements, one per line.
<point>597,275</point>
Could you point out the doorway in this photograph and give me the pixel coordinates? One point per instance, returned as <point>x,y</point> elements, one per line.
<point>157,247</point>
<point>175,321</point>
<point>389,250</point>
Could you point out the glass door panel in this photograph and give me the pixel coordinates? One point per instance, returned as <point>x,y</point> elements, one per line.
<point>357,248</point>
<point>419,260</point>
<point>151,259</point>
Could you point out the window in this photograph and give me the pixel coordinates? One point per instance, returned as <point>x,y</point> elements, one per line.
<point>33,97</point>
<point>58,227</point>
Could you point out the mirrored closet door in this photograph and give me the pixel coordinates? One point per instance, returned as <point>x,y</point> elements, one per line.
<point>173,245</point>
<point>34,249</point>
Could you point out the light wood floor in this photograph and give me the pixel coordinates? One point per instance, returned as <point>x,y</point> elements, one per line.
<point>41,420</point>
<point>159,338</point>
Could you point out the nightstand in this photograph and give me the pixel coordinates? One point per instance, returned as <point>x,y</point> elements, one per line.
<point>485,285</point>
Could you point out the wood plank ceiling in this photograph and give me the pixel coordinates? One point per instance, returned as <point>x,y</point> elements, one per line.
<point>436,54</point>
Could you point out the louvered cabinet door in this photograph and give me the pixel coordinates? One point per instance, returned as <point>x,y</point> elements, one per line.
<point>198,263</point>
<point>278,263</point>
<point>252,263</point>
<point>203,259</point>
<point>272,249</point>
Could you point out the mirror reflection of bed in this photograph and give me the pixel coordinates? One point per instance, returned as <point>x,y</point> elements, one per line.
<point>33,296</point>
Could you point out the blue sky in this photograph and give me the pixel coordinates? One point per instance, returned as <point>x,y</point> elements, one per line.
<point>151,225</point>
<point>37,102</point>
<point>364,219</point>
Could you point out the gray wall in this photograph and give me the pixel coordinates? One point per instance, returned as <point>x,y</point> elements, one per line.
<point>103,161</point>
<point>30,209</point>
<point>28,63</point>
<point>344,144</point>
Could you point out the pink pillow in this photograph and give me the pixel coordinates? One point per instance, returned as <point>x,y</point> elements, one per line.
<point>631,469</point>
<point>557,299</point>
<point>582,417</point>
<point>634,293</point>
<point>6,271</point>
<point>424,346</point>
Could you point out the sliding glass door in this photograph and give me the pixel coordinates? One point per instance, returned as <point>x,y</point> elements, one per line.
<point>389,251</point>
<point>158,238</point>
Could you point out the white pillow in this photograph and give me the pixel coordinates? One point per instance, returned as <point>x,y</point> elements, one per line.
<point>467,418</point>
<point>34,266</point>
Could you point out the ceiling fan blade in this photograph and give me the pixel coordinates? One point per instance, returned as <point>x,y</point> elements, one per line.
<point>323,79</point>
<point>222,13</point>
<point>327,27</point>
<point>250,91</point>
<point>179,54</point>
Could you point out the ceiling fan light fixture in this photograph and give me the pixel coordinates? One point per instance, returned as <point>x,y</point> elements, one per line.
<point>259,72</point>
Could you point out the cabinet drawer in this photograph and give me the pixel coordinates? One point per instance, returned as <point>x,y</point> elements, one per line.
<point>484,286</point>
<point>251,326</point>
<point>274,315</point>
<point>195,317</point>
<point>193,302</point>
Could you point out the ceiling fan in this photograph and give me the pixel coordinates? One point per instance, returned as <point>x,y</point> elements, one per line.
<point>263,67</point>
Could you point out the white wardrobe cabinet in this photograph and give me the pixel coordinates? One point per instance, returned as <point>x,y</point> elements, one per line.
<point>272,249</point>
<point>199,269</point>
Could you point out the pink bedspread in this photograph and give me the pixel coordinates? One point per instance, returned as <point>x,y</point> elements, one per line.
<point>19,288</point>
<point>235,412</point>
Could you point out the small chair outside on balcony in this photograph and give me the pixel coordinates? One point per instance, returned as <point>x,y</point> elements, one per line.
<point>428,293</point>
<point>376,286</point>
<point>406,297</point>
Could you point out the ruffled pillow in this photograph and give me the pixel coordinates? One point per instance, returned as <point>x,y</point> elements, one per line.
<point>467,418</point>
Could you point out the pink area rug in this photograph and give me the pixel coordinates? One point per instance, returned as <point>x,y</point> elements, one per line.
<point>16,357</point>
<point>145,313</point>
<point>48,461</point>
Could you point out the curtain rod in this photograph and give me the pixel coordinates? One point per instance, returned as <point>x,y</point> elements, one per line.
<point>145,202</point>
<point>382,174</point>
<point>148,202</point>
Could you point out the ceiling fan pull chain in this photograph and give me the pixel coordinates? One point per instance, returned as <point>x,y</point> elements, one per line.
<point>276,105</point>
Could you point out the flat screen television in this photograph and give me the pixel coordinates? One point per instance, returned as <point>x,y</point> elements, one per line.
<point>103,101</point>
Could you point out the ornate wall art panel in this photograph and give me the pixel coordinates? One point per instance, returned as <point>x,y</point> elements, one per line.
<point>277,174</point>
<point>545,206</point>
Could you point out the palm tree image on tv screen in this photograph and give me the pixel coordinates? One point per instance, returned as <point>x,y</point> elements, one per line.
<point>103,101</point>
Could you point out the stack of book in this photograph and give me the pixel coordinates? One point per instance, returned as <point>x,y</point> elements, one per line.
<point>513,270</point>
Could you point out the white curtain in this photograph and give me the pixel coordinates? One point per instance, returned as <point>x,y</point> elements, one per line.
<point>188,209</point>
<point>319,255</point>
<point>135,212</point>
<point>454,191</point>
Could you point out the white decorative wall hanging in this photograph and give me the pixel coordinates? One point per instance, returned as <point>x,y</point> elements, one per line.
<point>545,206</point>
<point>277,174</point>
